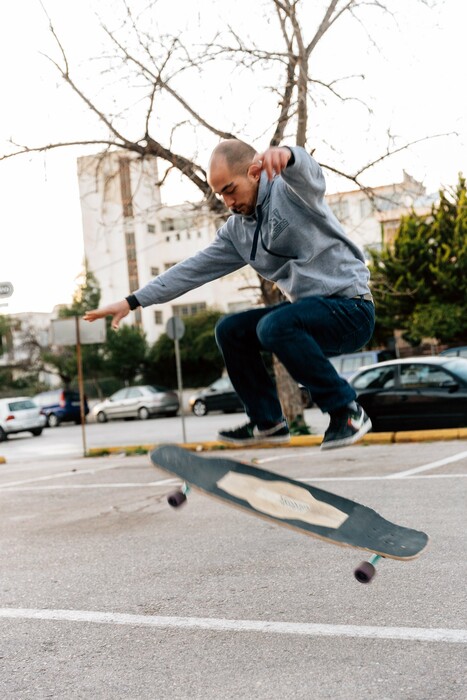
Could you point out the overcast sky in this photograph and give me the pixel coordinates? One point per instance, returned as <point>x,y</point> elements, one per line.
<point>416,86</point>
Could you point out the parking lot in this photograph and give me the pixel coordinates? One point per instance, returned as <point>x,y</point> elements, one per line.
<point>108,593</point>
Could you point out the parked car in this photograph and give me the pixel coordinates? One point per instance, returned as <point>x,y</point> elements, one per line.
<point>137,402</point>
<point>218,396</point>
<point>221,396</point>
<point>455,352</point>
<point>18,415</point>
<point>347,364</point>
<point>61,406</point>
<point>414,393</point>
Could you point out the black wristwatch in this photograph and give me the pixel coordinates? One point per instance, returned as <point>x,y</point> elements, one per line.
<point>132,302</point>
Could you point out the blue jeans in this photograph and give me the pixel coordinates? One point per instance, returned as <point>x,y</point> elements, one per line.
<point>302,335</point>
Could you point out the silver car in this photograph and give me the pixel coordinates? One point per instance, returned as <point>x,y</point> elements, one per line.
<point>137,402</point>
<point>20,414</point>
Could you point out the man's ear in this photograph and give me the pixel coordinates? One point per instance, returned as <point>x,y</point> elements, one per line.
<point>255,168</point>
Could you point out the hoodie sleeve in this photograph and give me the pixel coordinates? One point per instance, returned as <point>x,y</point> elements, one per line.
<point>306,180</point>
<point>216,260</point>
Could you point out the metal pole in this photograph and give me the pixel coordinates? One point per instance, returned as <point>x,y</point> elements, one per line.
<point>80,385</point>
<point>180,386</point>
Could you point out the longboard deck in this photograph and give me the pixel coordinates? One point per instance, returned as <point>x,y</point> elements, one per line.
<point>290,503</point>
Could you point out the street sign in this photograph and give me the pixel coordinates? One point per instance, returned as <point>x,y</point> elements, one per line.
<point>175,328</point>
<point>6,290</point>
<point>63,331</point>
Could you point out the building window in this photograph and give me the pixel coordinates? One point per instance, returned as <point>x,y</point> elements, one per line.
<point>340,209</point>
<point>168,225</point>
<point>168,265</point>
<point>154,271</point>
<point>158,318</point>
<point>180,310</point>
<point>151,228</point>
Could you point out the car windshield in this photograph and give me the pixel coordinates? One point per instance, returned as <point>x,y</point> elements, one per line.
<point>156,389</point>
<point>21,405</point>
<point>457,366</point>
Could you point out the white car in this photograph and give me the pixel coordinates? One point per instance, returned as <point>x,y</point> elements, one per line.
<point>20,414</point>
<point>137,402</point>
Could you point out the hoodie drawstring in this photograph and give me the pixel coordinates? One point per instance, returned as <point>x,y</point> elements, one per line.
<point>257,233</point>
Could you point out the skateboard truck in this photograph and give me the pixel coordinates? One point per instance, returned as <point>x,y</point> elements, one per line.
<point>366,570</point>
<point>178,498</point>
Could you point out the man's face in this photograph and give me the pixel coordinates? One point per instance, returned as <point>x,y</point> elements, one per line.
<point>239,191</point>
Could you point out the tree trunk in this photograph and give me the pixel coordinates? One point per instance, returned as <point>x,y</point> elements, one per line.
<point>289,392</point>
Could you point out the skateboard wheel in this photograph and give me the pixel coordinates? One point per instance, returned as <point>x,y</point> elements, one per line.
<point>365,572</point>
<point>176,499</point>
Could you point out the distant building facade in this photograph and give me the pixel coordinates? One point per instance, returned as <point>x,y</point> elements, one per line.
<point>372,218</point>
<point>28,332</point>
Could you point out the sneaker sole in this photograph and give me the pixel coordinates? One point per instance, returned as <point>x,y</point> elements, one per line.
<point>280,439</point>
<point>366,427</point>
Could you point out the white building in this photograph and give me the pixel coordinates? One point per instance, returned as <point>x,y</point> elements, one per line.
<point>29,331</point>
<point>372,218</point>
<point>130,237</point>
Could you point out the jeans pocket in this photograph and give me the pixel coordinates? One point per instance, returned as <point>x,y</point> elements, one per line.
<point>355,320</point>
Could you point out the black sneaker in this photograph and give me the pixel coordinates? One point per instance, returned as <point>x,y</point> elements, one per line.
<point>346,427</point>
<point>249,434</point>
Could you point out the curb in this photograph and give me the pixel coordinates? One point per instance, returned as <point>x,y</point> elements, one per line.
<point>295,441</point>
<point>408,436</point>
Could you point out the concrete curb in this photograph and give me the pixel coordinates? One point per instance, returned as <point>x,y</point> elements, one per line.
<point>297,441</point>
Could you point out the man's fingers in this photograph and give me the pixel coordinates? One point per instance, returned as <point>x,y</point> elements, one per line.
<point>272,161</point>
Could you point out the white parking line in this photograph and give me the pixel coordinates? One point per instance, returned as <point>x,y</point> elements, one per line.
<point>396,475</point>
<point>431,465</point>
<point>65,487</point>
<point>74,472</point>
<point>168,482</point>
<point>413,634</point>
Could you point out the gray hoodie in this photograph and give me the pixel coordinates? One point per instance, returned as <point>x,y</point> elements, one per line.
<point>293,239</point>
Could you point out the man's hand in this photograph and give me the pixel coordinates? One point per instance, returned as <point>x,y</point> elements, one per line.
<point>118,310</point>
<point>273,160</point>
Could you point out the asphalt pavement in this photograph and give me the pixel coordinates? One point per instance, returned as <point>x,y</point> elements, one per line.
<point>106,592</point>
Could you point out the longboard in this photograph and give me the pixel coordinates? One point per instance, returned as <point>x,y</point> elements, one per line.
<point>302,507</point>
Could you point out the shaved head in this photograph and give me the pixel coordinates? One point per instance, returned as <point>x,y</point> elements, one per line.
<point>236,154</point>
<point>234,176</point>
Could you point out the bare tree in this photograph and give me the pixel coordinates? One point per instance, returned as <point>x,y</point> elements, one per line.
<point>160,67</point>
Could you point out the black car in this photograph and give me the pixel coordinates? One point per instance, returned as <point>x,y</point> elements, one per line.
<point>417,393</point>
<point>61,406</point>
<point>221,396</point>
<point>218,396</point>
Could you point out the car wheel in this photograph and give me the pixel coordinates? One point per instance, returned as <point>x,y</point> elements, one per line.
<point>143,413</point>
<point>52,420</point>
<point>36,432</point>
<point>3,435</point>
<point>101,417</point>
<point>200,408</point>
